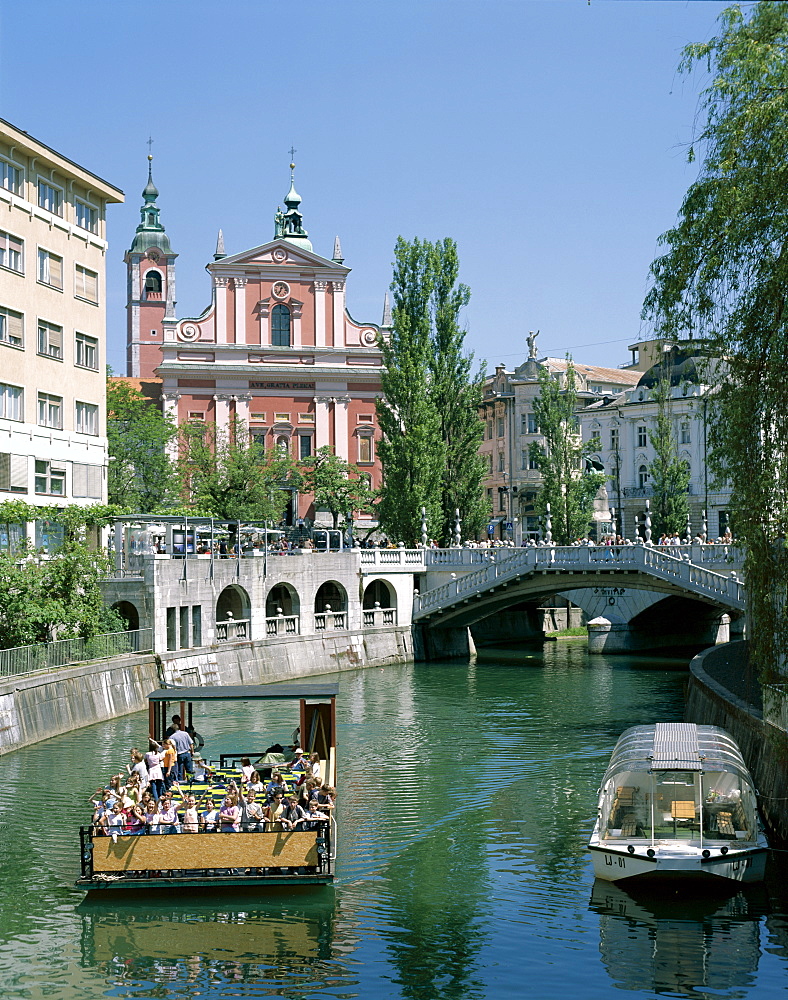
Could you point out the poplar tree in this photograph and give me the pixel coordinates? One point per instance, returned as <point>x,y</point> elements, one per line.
<point>566,486</point>
<point>411,450</point>
<point>669,474</point>
<point>724,277</point>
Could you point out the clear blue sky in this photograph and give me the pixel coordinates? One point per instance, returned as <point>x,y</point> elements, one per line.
<point>548,137</point>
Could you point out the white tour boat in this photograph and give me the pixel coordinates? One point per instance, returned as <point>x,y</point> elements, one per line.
<point>677,800</point>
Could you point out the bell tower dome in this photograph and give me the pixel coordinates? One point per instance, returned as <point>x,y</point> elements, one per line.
<point>150,295</point>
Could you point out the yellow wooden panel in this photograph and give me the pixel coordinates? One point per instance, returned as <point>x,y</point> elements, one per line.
<point>682,809</point>
<point>205,850</point>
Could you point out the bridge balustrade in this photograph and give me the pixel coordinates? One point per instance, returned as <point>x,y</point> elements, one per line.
<point>233,630</point>
<point>330,620</point>
<point>283,625</point>
<point>378,617</point>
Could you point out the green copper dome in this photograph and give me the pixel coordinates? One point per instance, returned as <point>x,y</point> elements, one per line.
<point>150,232</point>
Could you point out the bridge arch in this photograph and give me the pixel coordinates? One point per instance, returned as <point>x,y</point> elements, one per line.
<point>129,613</point>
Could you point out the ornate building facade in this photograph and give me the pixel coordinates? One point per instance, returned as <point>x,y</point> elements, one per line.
<point>276,347</point>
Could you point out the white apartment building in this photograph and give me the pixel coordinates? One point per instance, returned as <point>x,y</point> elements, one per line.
<point>623,423</point>
<point>53,446</point>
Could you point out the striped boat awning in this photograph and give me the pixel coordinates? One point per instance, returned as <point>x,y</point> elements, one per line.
<point>676,746</point>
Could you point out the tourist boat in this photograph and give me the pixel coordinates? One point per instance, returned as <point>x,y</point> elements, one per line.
<point>676,801</point>
<point>236,859</point>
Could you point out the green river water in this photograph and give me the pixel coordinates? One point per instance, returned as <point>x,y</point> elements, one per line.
<point>467,793</point>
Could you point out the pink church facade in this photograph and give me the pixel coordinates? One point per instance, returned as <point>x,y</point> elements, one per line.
<point>276,347</point>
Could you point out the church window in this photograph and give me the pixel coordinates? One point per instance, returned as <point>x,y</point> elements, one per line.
<point>280,326</point>
<point>365,448</point>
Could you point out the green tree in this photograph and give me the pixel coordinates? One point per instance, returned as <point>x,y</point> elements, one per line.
<point>566,485</point>
<point>456,393</point>
<point>670,476</point>
<point>141,477</point>
<point>226,475</point>
<point>54,595</point>
<point>428,413</point>
<point>337,486</point>
<point>724,278</point>
<point>411,450</point>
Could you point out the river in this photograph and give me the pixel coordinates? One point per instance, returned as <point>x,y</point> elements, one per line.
<point>467,793</point>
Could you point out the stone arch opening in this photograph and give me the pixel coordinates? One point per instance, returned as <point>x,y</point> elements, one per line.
<point>233,603</point>
<point>381,593</point>
<point>129,613</point>
<point>153,283</point>
<point>282,596</point>
<point>330,596</point>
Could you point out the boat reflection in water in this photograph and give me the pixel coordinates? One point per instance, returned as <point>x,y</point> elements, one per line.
<point>219,941</point>
<point>657,941</point>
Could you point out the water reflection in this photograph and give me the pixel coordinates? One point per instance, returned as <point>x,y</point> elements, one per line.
<point>286,943</point>
<point>696,946</point>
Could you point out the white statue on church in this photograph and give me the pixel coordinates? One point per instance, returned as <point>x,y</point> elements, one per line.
<point>531,338</point>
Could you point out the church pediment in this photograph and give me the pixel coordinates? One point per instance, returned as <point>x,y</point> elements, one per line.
<point>278,253</point>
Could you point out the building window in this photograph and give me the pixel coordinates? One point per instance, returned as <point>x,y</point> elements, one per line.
<point>614,439</point>
<point>11,248</point>
<point>50,479</point>
<point>642,437</point>
<point>196,415</point>
<point>50,269</point>
<point>256,417</point>
<point>11,401</point>
<point>309,418</point>
<point>533,462</point>
<point>365,448</point>
<point>642,476</point>
<point>502,501</point>
<point>524,458</point>
<point>533,426</point>
<point>86,284</point>
<point>86,216</point>
<point>13,473</point>
<point>11,327</point>
<point>86,353</point>
<point>501,462</point>
<point>684,432</point>
<point>500,427</point>
<point>86,418</point>
<point>280,326</point>
<point>489,430</point>
<point>282,418</point>
<point>10,177</point>
<point>490,463</point>
<point>50,198</point>
<point>50,340</point>
<point>50,412</point>
<point>86,481</point>
<point>305,445</point>
<point>152,284</point>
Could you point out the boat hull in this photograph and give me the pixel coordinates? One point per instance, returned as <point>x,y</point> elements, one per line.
<point>746,865</point>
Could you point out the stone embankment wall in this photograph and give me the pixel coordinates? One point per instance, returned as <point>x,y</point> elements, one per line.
<point>35,707</point>
<point>765,748</point>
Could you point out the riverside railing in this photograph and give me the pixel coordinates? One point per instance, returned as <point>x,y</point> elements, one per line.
<point>63,652</point>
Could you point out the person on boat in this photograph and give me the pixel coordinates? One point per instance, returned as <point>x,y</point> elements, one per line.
<point>230,814</point>
<point>202,772</point>
<point>168,815</point>
<point>251,814</point>
<point>246,770</point>
<point>114,822</point>
<point>153,760</point>
<point>306,790</point>
<point>293,817</point>
<point>325,797</point>
<point>300,762</point>
<point>151,811</point>
<point>276,784</point>
<point>209,818</point>
<point>132,792</point>
<point>255,784</point>
<point>116,786</point>
<point>138,767</point>
<point>191,819</point>
<point>134,821</point>
<point>183,746</point>
<point>315,816</point>
<point>273,812</point>
<point>175,724</point>
<point>314,765</point>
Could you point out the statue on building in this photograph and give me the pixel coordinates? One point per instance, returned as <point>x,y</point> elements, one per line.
<point>279,223</point>
<point>531,338</point>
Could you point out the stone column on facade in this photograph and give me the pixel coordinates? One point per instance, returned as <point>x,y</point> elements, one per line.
<point>296,308</point>
<point>169,310</point>
<point>240,310</point>
<point>242,401</point>
<point>171,411</point>
<point>339,313</point>
<point>222,401</point>
<point>341,437</point>
<point>322,417</point>
<point>220,286</point>
<point>320,313</point>
<point>265,321</point>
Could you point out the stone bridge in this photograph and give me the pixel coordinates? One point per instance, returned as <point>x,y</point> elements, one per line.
<point>508,578</point>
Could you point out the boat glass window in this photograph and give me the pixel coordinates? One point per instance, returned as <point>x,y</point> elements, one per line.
<point>728,807</point>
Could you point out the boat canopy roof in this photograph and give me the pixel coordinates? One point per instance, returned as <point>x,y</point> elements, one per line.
<point>676,746</point>
<point>247,692</point>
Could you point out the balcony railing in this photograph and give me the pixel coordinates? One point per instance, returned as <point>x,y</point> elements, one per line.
<point>641,492</point>
<point>378,617</point>
<point>283,625</point>
<point>62,652</point>
<point>233,630</point>
<point>329,620</point>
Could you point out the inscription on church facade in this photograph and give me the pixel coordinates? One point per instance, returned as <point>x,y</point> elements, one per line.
<point>282,385</point>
